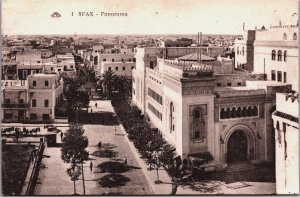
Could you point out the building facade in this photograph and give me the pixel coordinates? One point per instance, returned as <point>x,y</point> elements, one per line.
<point>286,126</point>
<point>31,100</point>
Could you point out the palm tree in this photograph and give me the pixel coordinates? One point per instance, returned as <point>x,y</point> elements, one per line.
<point>122,84</point>
<point>107,81</point>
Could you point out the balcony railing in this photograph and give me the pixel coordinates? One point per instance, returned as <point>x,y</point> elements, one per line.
<point>14,105</point>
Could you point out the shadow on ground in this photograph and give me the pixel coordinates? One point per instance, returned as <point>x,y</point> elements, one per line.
<point>115,167</point>
<point>108,146</point>
<point>102,118</point>
<point>113,180</point>
<point>106,153</point>
<point>207,186</point>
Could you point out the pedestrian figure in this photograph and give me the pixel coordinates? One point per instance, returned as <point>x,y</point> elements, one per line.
<point>99,144</point>
<point>96,104</point>
<point>115,130</point>
<point>91,166</point>
<point>61,135</point>
<point>125,162</point>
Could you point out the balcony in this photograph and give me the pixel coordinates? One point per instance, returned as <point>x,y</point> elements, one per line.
<point>15,105</point>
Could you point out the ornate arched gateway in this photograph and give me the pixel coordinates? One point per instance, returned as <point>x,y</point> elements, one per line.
<point>239,145</point>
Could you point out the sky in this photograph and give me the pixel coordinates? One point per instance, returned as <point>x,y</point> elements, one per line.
<point>143,16</point>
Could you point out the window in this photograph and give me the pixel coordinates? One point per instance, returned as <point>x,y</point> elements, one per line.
<point>104,60</point>
<point>295,36</point>
<point>7,101</point>
<point>7,115</point>
<point>46,83</point>
<point>239,83</point>
<point>284,55</point>
<point>21,101</point>
<point>46,103</point>
<point>123,67</point>
<point>112,60</point>
<point>279,55</point>
<point>122,60</point>
<point>284,36</point>
<point>33,83</point>
<point>273,55</point>
<point>51,68</point>
<point>273,75</point>
<point>284,77</point>
<point>132,67</point>
<point>71,66</point>
<point>151,65</point>
<point>33,116</point>
<point>198,124</point>
<point>218,84</point>
<point>117,68</point>
<point>46,117</point>
<point>133,59</point>
<point>228,84</point>
<point>129,60</point>
<point>243,51</point>
<point>171,116</point>
<point>33,103</point>
<point>109,68</point>
<point>279,76</point>
<point>238,50</point>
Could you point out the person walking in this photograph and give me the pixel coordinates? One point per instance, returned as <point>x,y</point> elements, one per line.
<point>115,130</point>
<point>96,104</point>
<point>91,166</point>
<point>99,144</point>
<point>125,162</point>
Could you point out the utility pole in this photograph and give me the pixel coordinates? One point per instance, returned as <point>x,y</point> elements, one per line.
<point>200,46</point>
<point>264,69</point>
<point>83,179</point>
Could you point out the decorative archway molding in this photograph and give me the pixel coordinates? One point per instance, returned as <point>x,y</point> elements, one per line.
<point>251,139</point>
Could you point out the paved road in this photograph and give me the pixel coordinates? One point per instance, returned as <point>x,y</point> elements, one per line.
<point>54,180</point>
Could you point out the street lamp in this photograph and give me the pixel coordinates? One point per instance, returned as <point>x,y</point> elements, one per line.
<point>157,155</point>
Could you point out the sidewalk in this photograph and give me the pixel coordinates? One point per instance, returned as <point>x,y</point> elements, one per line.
<point>204,187</point>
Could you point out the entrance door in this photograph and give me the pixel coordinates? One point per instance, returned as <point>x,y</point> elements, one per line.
<point>237,147</point>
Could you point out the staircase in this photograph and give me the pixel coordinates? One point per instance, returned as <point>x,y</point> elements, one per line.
<point>240,166</point>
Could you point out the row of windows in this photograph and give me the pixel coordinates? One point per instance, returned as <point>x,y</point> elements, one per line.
<point>294,36</point>
<point>33,103</point>
<point>32,116</point>
<point>154,111</point>
<point>229,84</point>
<point>279,55</point>
<point>46,83</point>
<point>240,52</point>
<point>122,60</point>
<point>239,112</point>
<point>8,101</point>
<point>155,80</point>
<point>279,76</point>
<point>155,96</point>
<point>199,124</point>
<point>123,68</point>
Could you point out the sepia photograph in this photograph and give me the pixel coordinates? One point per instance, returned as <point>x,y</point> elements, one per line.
<point>159,97</point>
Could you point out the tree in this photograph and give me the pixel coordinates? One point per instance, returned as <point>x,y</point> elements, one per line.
<point>73,150</point>
<point>76,99</point>
<point>107,81</point>
<point>122,84</point>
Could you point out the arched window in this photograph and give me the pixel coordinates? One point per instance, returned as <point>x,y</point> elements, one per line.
<point>172,127</point>
<point>233,112</point>
<point>227,113</point>
<point>244,112</point>
<point>284,55</point>
<point>279,55</point>
<point>295,36</point>
<point>239,112</point>
<point>255,110</point>
<point>222,114</point>
<point>273,55</point>
<point>243,51</point>
<point>249,111</point>
<point>284,36</point>
<point>199,124</point>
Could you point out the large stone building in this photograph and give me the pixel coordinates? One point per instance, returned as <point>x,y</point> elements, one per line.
<point>31,100</point>
<point>286,126</point>
<point>198,110</point>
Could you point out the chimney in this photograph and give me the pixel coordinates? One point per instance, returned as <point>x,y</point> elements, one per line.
<point>243,26</point>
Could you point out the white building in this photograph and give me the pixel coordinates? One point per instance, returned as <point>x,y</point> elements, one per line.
<point>286,126</point>
<point>276,54</point>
